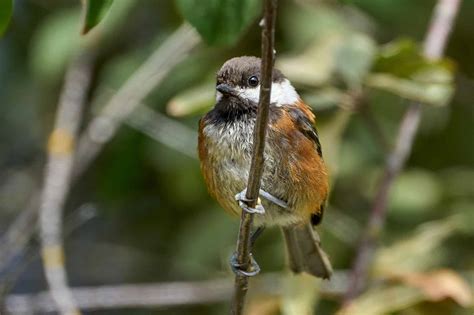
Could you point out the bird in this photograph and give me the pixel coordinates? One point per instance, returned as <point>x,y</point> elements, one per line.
<point>294,184</point>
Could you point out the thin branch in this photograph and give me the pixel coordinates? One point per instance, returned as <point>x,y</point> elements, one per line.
<point>161,295</point>
<point>121,105</point>
<point>256,167</point>
<point>104,126</point>
<point>61,148</point>
<point>19,232</point>
<point>164,130</point>
<point>437,36</point>
<point>30,253</point>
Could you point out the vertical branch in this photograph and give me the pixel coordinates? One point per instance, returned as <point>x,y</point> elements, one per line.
<point>61,148</point>
<point>435,42</point>
<point>256,167</point>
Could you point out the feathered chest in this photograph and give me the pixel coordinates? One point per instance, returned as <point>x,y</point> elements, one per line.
<point>230,141</point>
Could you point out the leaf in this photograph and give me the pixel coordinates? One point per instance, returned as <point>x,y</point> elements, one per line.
<point>415,191</point>
<point>439,285</point>
<point>436,94</point>
<point>220,21</point>
<point>385,300</point>
<point>93,12</point>
<point>6,9</point>
<point>315,65</point>
<point>300,294</point>
<point>349,55</point>
<point>419,251</point>
<point>354,59</point>
<point>194,100</point>
<point>324,98</point>
<point>402,70</point>
<point>53,43</point>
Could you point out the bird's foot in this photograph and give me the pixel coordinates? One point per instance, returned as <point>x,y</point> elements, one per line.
<point>244,201</point>
<point>273,199</point>
<point>237,268</point>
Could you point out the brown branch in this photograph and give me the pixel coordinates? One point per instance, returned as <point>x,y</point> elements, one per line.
<point>256,167</point>
<point>161,295</point>
<point>437,35</point>
<point>61,148</point>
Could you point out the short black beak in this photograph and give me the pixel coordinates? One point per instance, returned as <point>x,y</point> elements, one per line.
<point>225,89</point>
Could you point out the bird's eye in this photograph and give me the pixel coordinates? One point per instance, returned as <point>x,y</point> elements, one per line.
<point>253,81</point>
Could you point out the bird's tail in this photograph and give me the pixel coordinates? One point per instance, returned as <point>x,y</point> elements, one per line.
<point>305,252</point>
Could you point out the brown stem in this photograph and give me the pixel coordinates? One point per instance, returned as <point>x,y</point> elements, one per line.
<point>256,167</point>
<point>435,42</point>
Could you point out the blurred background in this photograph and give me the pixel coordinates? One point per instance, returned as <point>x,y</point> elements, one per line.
<point>138,211</point>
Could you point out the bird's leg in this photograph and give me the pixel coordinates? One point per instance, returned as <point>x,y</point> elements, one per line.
<point>243,203</point>
<point>273,199</point>
<point>254,267</point>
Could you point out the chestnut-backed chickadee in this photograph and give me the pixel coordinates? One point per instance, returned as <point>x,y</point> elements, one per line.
<point>294,185</point>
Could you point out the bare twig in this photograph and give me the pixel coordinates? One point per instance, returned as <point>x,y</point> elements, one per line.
<point>161,295</point>
<point>128,97</point>
<point>61,148</point>
<point>103,127</point>
<point>434,45</point>
<point>256,167</point>
<point>164,130</point>
<point>31,253</point>
<point>19,233</point>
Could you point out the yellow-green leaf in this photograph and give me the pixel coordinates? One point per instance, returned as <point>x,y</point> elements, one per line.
<point>194,100</point>
<point>93,12</point>
<point>432,93</point>
<point>400,68</point>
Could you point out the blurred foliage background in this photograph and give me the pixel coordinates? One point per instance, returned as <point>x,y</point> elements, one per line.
<point>141,213</point>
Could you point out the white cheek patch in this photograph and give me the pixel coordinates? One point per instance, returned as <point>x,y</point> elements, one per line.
<point>283,93</point>
<point>251,94</point>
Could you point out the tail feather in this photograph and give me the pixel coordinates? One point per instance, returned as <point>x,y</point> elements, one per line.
<point>305,252</point>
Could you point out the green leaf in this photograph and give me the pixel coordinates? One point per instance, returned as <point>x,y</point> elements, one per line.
<point>401,69</point>
<point>431,93</point>
<point>6,9</point>
<point>93,12</point>
<point>220,21</point>
<point>192,101</point>
<point>323,99</point>
<point>354,59</point>
<point>54,41</point>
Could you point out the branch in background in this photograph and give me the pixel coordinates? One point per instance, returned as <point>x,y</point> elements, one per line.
<point>161,295</point>
<point>19,233</point>
<point>434,45</point>
<point>136,88</point>
<point>256,167</point>
<point>103,127</point>
<point>29,253</point>
<point>164,130</point>
<point>61,148</point>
